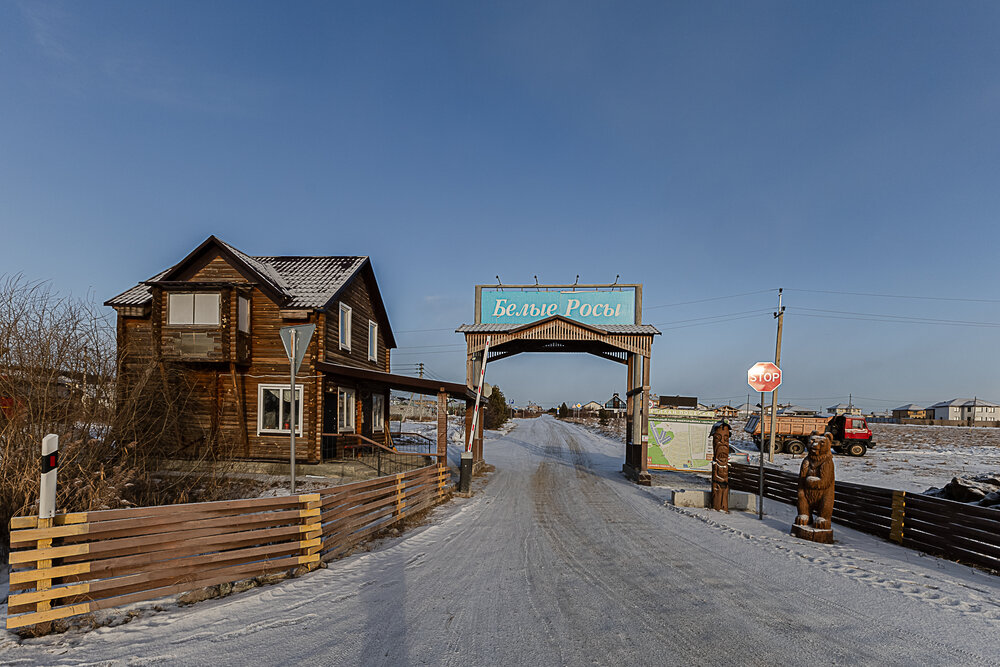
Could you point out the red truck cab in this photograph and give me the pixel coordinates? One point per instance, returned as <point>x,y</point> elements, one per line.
<point>851,434</point>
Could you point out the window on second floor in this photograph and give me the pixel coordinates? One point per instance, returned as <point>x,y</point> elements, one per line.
<point>243,314</point>
<point>372,341</point>
<point>198,308</point>
<point>345,327</point>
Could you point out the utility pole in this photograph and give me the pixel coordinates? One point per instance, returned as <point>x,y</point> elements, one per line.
<point>780,316</point>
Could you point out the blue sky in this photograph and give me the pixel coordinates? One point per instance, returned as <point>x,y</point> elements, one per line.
<point>703,149</point>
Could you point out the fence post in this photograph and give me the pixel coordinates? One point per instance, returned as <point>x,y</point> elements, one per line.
<point>898,516</point>
<point>310,510</point>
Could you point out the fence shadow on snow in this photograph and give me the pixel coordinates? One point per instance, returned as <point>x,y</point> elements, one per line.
<point>953,530</point>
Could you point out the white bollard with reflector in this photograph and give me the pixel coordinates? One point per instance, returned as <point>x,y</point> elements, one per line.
<point>50,465</point>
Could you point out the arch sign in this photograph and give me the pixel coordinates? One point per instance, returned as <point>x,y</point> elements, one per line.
<point>587,306</point>
<point>603,320</point>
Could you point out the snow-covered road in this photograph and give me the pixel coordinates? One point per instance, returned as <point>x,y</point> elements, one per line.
<point>558,560</point>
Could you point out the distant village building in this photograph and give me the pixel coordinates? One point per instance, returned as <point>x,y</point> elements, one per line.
<point>615,404</point>
<point>966,409</point>
<point>912,411</point>
<point>727,412</point>
<point>796,410</point>
<point>843,409</point>
<point>593,406</point>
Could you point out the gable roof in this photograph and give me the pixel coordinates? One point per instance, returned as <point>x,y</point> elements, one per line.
<point>290,281</point>
<point>909,407</point>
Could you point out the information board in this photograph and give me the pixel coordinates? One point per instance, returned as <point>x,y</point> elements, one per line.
<point>680,439</point>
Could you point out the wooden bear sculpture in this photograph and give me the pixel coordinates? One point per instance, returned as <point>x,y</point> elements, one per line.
<point>720,466</point>
<point>815,497</point>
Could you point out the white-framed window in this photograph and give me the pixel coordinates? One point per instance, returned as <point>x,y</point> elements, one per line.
<point>345,410</point>
<point>372,341</point>
<point>200,308</point>
<point>378,412</point>
<point>345,327</point>
<point>243,314</point>
<point>274,408</point>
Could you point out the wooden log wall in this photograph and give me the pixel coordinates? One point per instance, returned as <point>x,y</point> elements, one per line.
<point>99,560</point>
<point>953,530</point>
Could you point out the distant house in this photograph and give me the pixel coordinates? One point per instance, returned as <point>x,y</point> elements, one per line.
<point>844,409</point>
<point>912,411</point>
<point>593,406</point>
<point>615,404</point>
<point>796,410</point>
<point>727,412</point>
<point>966,409</point>
<point>745,410</point>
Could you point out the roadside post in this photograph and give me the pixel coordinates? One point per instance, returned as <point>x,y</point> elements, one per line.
<point>296,341</point>
<point>46,513</point>
<point>465,472</point>
<point>764,377</point>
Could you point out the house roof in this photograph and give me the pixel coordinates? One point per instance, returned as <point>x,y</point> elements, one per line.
<point>291,281</point>
<point>840,406</point>
<point>909,407</point>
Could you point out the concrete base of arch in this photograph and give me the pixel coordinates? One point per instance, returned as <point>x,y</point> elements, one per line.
<point>640,477</point>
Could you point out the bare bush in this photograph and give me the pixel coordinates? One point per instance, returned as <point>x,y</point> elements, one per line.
<point>59,374</point>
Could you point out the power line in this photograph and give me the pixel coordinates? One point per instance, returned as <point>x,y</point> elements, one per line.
<point>714,298</point>
<point>892,296</point>
<point>900,319</point>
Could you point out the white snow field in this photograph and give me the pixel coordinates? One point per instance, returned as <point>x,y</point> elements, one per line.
<point>557,559</point>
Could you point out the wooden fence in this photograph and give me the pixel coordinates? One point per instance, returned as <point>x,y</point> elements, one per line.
<point>96,560</point>
<point>966,533</point>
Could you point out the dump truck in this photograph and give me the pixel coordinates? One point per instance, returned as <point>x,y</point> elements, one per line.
<point>851,434</point>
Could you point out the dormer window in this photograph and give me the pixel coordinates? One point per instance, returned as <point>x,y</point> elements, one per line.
<point>198,308</point>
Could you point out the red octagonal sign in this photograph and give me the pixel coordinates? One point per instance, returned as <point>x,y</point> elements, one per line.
<point>764,376</point>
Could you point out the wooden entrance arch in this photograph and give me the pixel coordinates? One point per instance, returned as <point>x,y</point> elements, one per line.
<point>628,344</point>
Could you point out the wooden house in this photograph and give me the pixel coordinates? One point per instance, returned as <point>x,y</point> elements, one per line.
<point>216,315</point>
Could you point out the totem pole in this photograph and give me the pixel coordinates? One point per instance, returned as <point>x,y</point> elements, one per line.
<point>720,466</point>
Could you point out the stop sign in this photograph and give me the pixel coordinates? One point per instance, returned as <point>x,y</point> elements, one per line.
<point>764,376</point>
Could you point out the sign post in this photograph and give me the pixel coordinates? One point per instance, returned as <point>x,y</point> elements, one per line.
<point>764,377</point>
<point>296,341</point>
<point>465,471</point>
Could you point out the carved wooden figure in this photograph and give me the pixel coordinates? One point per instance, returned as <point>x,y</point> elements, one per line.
<point>815,496</point>
<point>720,466</point>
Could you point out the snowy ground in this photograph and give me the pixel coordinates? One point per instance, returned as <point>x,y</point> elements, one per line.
<point>910,458</point>
<point>557,559</point>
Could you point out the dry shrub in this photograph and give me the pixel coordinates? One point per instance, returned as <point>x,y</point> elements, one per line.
<point>58,374</point>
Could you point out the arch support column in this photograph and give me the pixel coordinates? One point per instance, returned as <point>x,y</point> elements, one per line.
<point>636,465</point>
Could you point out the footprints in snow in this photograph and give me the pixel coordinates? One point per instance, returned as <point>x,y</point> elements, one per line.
<point>844,561</point>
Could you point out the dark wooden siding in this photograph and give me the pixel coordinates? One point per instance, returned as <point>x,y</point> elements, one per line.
<point>357,295</point>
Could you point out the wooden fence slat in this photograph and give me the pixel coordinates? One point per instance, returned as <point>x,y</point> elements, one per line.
<point>114,557</point>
